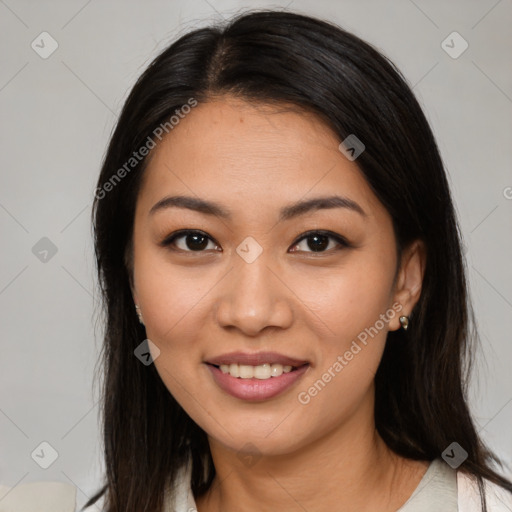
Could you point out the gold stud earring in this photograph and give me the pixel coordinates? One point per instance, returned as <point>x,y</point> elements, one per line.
<point>139,314</point>
<point>404,322</point>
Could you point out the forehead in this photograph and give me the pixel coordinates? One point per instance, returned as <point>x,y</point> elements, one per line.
<point>263,133</point>
<point>239,153</point>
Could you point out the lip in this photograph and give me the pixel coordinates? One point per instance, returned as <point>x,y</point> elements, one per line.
<point>256,359</point>
<point>256,390</point>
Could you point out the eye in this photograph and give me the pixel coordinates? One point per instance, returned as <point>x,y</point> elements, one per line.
<point>197,241</point>
<point>189,241</point>
<point>319,241</point>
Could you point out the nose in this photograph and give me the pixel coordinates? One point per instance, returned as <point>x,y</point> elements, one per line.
<point>253,298</point>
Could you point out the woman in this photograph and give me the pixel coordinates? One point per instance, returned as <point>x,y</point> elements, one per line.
<point>287,318</point>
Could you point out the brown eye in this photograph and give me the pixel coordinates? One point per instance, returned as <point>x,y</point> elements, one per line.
<point>319,241</point>
<point>189,241</point>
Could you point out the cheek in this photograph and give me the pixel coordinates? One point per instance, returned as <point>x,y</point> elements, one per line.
<point>171,296</point>
<point>174,303</point>
<point>352,305</point>
<point>351,298</point>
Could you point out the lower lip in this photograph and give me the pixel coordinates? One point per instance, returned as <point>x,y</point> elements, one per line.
<point>256,389</point>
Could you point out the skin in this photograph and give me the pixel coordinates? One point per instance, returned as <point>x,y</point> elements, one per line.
<point>254,160</point>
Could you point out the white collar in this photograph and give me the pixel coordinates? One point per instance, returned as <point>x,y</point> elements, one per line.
<point>468,496</point>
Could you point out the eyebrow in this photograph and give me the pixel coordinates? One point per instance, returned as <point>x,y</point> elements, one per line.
<point>286,213</point>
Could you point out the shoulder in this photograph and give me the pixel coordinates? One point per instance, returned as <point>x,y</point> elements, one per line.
<point>498,499</point>
<point>40,496</point>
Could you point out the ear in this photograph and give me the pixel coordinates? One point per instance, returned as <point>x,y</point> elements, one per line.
<point>128,264</point>
<point>134,293</point>
<point>409,280</point>
<point>132,288</point>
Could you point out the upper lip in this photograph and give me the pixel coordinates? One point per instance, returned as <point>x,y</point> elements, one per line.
<point>255,359</point>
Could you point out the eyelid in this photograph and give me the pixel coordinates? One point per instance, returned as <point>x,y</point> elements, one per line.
<point>168,240</point>
<point>342,243</point>
<point>324,232</point>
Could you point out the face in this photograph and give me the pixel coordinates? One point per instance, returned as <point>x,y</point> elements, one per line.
<point>291,264</point>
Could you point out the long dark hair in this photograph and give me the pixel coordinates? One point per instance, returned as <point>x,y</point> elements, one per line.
<point>287,59</point>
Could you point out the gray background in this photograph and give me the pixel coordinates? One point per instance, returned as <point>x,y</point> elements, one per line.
<point>57,114</point>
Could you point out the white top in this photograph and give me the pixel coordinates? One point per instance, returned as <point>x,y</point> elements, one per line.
<point>38,497</point>
<point>441,489</point>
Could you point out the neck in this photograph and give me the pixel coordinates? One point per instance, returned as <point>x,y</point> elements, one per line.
<point>350,469</point>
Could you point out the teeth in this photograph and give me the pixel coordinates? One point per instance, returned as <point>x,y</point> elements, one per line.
<point>262,371</point>
<point>245,372</point>
<point>233,370</point>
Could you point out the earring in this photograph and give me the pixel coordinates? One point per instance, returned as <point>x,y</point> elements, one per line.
<point>139,314</point>
<point>404,322</point>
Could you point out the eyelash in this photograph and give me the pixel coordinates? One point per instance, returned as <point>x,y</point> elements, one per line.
<point>342,243</point>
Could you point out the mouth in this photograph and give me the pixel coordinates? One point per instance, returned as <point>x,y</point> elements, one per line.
<point>256,377</point>
<point>262,371</point>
